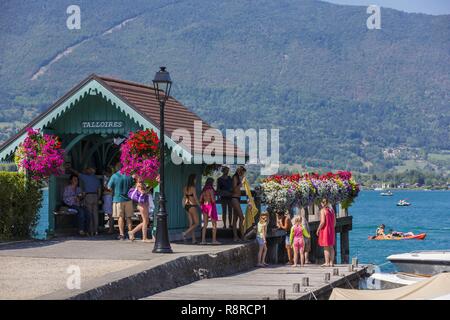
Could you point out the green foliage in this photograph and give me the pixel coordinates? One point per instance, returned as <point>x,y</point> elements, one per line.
<point>339,93</point>
<point>20,200</point>
<point>410,177</point>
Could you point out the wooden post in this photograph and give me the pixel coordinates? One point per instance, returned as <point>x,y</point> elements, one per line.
<point>335,271</point>
<point>296,287</point>
<point>305,281</point>
<point>306,209</point>
<point>355,262</point>
<point>257,198</point>
<point>281,294</point>
<point>327,277</point>
<point>345,246</point>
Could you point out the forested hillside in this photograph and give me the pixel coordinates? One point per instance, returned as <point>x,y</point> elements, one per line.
<point>343,96</point>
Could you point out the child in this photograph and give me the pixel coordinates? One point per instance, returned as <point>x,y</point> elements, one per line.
<point>297,242</point>
<point>209,210</point>
<point>261,238</point>
<point>144,200</point>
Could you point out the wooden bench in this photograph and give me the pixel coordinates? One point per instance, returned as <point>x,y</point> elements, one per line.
<point>66,222</point>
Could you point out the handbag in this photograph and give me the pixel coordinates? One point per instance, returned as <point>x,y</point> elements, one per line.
<point>136,196</point>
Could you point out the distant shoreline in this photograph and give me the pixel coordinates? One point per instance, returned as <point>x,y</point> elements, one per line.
<point>406,189</point>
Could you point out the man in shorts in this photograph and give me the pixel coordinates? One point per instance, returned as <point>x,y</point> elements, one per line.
<point>120,184</point>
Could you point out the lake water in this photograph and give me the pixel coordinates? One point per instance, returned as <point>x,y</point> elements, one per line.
<point>429,213</point>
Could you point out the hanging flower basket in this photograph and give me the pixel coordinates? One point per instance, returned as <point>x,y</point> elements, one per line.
<point>282,191</point>
<point>40,155</point>
<point>140,156</point>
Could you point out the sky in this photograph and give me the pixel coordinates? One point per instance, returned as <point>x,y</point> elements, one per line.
<point>419,6</point>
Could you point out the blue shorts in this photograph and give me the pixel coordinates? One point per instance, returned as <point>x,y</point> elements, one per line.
<point>260,241</point>
<point>287,240</point>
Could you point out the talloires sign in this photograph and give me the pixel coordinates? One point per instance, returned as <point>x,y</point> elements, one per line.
<point>101,124</point>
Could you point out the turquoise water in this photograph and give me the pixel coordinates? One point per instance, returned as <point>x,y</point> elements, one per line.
<point>429,213</point>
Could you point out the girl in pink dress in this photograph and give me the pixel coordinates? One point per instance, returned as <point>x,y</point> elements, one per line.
<point>209,210</point>
<point>326,233</point>
<point>297,241</point>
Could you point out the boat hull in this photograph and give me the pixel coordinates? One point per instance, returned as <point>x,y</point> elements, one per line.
<point>422,262</point>
<point>420,236</point>
<point>421,267</point>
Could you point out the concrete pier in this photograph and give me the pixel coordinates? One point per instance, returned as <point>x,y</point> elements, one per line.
<point>112,269</point>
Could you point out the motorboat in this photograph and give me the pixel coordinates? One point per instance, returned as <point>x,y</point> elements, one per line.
<point>422,262</point>
<point>403,203</point>
<point>381,280</point>
<point>388,193</point>
<point>435,287</point>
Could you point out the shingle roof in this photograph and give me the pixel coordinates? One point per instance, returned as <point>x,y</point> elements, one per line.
<point>142,98</point>
<point>177,116</point>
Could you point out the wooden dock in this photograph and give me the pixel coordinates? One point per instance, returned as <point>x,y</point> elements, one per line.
<point>274,282</point>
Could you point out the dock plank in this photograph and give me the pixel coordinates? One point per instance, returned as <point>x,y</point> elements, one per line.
<point>261,283</point>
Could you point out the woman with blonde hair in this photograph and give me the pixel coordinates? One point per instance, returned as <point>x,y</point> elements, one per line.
<point>261,238</point>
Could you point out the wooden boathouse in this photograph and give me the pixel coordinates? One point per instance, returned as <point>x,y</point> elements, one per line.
<point>94,117</point>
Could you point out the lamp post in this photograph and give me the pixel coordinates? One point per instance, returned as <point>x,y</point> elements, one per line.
<point>162,85</point>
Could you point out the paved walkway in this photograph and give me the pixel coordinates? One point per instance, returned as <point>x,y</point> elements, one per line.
<point>39,269</point>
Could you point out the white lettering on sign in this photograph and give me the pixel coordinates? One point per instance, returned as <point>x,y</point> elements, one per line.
<point>101,124</point>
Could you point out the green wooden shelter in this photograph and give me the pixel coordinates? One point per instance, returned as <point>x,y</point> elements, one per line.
<point>96,115</point>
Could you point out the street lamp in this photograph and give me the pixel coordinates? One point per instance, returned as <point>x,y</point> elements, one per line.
<point>162,85</point>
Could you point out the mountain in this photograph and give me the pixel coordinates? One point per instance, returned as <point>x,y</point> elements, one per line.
<point>342,96</point>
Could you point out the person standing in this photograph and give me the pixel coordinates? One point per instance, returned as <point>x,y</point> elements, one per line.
<point>190,203</point>
<point>237,182</point>
<point>123,210</point>
<point>261,238</point>
<point>73,197</point>
<point>298,233</point>
<point>307,242</point>
<point>224,188</point>
<point>144,200</point>
<point>284,223</point>
<point>326,232</point>
<point>92,188</point>
<point>107,199</point>
<point>209,210</point>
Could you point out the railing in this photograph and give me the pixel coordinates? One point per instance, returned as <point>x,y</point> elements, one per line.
<point>343,227</point>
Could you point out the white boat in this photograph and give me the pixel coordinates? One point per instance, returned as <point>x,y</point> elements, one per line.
<point>388,193</point>
<point>381,281</point>
<point>433,288</point>
<point>403,203</point>
<point>422,262</point>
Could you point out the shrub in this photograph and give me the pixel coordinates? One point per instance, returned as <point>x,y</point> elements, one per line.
<point>20,201</point>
